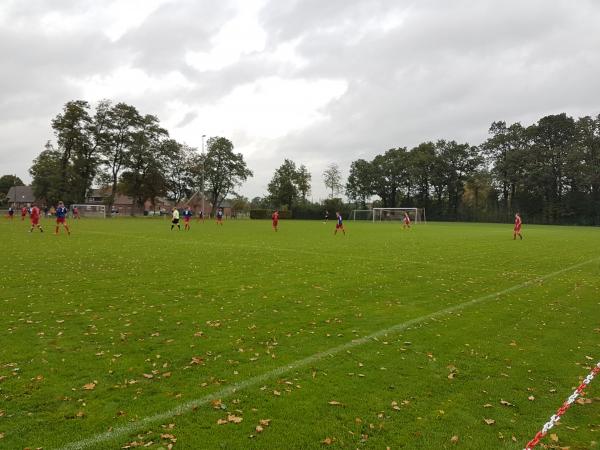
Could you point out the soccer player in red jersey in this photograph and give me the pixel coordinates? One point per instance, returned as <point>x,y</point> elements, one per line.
<point>406,221</point>
<point>517,229</point>
<point>35,218</point>
<point>76,213</point>
<point>23,212</point>
<point>275,219</point>
<point>339,224</point>
<point>61,218</point>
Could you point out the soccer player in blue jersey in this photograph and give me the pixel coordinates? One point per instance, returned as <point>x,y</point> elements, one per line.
<point>187,216</point>
<point>220,216</point>
<point>61,218</point>
<point>339,224</point>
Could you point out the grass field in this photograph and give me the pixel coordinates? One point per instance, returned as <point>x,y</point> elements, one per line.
<point>159,336</point>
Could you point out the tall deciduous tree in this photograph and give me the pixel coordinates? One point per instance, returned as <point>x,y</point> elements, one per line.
<point>46,171</point>
<point>224,169</point>
<point>460,161</point>
<point>282,188</point>
<point>389,174</point>
<point>303,181</point>
<point>123,121</point>
<point>181,171</point>
<point>332,177</point>
<point>148,155</point>
<point>588,137</point>
<point>359,186</point>
<point>422,164</point>
<point>71,128</point>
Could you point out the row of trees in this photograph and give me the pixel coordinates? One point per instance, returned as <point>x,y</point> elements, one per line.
<point>549,171</point>
<point>130,153</point>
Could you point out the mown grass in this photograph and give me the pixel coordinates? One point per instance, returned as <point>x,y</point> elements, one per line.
<point>155,319</point>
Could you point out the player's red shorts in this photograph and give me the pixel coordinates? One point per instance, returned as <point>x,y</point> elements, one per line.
<point>338,226</point>
<point>517,229</point>
<point>35,221</point>
<point>275,222</point>
<point>186,219</point>
<point>60,220</point>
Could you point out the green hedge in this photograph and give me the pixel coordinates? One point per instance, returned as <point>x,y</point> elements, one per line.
<point>266,214</point>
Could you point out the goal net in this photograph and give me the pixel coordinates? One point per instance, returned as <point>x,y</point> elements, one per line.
<point>362,214</point>
<point>90,210</point>
<point>417,215</point>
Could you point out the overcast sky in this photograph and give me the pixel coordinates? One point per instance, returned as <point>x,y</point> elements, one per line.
<point>317,81</point>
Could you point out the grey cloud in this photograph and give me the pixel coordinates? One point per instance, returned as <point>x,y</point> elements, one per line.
<point>187,119</point>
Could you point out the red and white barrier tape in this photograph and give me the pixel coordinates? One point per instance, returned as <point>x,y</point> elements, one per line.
<point>566,405</point>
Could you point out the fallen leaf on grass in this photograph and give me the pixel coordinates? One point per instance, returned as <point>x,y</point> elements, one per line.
<point>334,403</point>
<point>221,422</point>
<point>454,439</point>
<point>487,405</point>
<point>276,393</point>
<point>233,418</point>
<point>89,386</point>
<point>259,429</point>
<point>196,360</point>
<point>147,375</point>
<point>489,421</point>
<point>168,436</point>
<point>265,422</point>
<point>505,403</point>
<point>327,441</point>
<point>80,414</point>
<point>554,437</point>
<point>531,398</point>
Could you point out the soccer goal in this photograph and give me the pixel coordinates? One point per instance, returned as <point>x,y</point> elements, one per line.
<point>362,214</point>
<point>98,211</point>
<point>417,215</point>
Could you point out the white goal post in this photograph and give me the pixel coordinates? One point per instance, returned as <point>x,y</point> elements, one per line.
<point>98,211</point>
<point>362,214</point>
<point>417,215</point>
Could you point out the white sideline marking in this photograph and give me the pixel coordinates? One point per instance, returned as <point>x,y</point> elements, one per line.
<point>258,379</point>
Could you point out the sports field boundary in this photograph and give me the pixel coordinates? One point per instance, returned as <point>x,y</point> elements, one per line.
<point>191,405</point>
